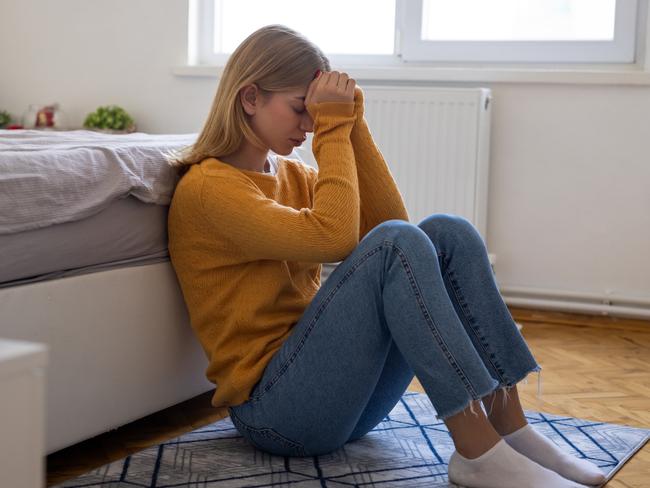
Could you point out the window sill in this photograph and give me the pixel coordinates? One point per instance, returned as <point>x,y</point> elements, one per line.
<point>470,74</point>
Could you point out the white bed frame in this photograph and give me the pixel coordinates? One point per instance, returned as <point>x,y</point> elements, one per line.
<point>120,347</point>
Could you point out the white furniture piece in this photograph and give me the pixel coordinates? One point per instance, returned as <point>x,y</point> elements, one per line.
<point>22,413</point>
<point>121,347</point>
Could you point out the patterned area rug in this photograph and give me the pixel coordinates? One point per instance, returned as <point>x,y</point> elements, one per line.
<point>408,449</point>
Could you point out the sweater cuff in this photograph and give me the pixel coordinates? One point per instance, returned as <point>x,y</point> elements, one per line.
<point>331,109</point>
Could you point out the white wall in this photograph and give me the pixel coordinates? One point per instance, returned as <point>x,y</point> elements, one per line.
<point>569,201</point>
<point>86,53</point>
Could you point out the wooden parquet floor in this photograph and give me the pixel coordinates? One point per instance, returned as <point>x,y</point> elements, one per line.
<point>594,367</point>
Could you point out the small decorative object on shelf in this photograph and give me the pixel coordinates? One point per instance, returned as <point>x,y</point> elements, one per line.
<point>5,118</point>
<point>111,119</point>
<point>45,117</point>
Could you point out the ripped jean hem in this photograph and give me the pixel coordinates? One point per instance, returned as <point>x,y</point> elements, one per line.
<point>536,369</point>
<point>504,387</point>
<point>469,403</point>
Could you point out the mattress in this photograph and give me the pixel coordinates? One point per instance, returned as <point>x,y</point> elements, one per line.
<point>128,232</point>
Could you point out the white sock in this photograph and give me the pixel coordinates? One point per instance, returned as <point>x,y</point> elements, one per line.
<point>536,446</point>
<point>503,467</point>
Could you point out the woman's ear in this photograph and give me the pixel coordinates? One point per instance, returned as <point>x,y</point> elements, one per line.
<point>249,98</point>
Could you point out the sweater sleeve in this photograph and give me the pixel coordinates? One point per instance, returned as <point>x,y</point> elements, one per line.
<point>380,198</point>
<point>261,228</point>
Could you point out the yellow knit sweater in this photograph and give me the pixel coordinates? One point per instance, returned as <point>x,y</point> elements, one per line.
<point>247,247</point>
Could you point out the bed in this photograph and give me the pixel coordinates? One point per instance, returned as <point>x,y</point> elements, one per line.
<point>84,269</point>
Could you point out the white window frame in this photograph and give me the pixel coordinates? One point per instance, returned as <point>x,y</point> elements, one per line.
<point>620,50</point>
<point>395,68</point>
<point>410,49</point>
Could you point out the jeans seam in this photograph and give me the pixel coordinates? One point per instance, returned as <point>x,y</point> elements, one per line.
<point>432,326</point>
<point>311,325</point>
<point>489,354</point>
<point>270,433</point>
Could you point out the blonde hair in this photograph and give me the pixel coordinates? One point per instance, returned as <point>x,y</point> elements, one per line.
<point>275,58</point>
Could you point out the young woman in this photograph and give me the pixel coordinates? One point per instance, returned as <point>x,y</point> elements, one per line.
<point>302,368</point>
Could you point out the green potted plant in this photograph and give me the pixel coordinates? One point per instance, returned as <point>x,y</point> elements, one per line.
<point>5,118</point>
<point>110,118</point>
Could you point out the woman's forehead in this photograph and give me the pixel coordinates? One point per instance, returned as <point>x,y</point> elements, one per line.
<point>297,93</point>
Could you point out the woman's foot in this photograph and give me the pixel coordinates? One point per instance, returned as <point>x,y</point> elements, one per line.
<point>503,467</point>
<point>536,446</point>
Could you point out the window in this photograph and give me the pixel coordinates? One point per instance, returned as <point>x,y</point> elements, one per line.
<point>326,26</point>
<point>420,31</point>
<point>520,30</point>
<point>218,26</point>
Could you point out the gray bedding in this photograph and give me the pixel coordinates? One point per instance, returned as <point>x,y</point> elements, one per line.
<point>52,177</point>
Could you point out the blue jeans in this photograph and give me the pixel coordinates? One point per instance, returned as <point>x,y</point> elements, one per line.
<point>388,311</point>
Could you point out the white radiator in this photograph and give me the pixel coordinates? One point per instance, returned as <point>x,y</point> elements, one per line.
<point>436,143</point>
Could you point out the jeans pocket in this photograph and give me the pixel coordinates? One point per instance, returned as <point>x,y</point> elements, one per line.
<point>267,439</point>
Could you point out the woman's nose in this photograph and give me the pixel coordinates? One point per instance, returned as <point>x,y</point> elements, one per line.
<point>307,123</point>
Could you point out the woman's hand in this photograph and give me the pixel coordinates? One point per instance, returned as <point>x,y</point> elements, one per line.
<point>331,86</point>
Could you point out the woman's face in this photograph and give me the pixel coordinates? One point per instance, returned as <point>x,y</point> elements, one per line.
<point>282,122</point>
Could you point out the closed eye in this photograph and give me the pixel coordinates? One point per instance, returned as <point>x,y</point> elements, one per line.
<point>298,111</point>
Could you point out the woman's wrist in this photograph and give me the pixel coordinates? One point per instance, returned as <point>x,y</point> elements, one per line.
<point>358,102</point>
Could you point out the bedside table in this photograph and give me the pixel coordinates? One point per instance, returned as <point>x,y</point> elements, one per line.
<point>22,413</point>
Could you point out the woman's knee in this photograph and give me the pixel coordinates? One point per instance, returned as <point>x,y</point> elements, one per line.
<point>395,229</point>
<point>449,225</point>
<point>401,235</point>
